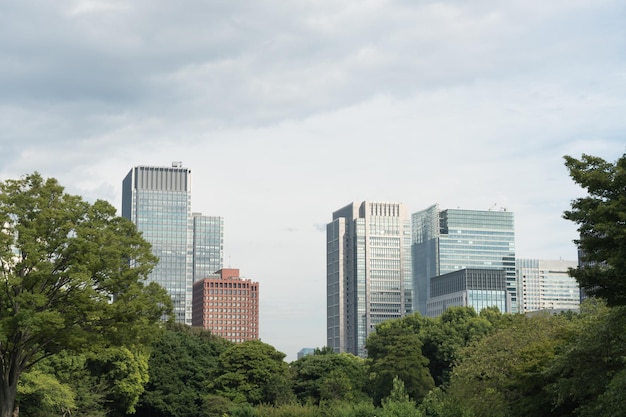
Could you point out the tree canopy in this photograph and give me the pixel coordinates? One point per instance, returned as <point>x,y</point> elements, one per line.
<point>71,277</point>
<point>601,219</point>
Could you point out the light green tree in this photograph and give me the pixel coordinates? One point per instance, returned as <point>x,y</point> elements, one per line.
<point>71,277</point>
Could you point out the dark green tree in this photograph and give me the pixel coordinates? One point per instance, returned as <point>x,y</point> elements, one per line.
<point>71,277</point>
<point>329,376</point>
<point>182,364</point>
<point>601,219</point>
<point>253,372</point>
<point>395,350</point>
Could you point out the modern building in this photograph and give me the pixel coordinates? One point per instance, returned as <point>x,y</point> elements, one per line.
<point>368,271</point>
<point>208,245</point>
<point>305,352</point>
<point>158,201</point>
<point>227,305</point>
<point>546,285</point>
<point>450,240</point>
<point>469,287</point>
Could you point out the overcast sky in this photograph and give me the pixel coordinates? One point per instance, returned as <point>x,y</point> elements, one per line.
<point>288,110</point>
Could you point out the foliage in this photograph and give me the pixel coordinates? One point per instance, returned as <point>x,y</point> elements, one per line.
<point>398,404</point>
<point>45,395</point>
<point>445,336</point>
<point>504,374</point>
<point>71,277</point>
<point>329,376</point>
<point>395,350</point>
<point>601,219</point>
<point>589,373</point>
<point>181,365</point>
<point>253,372</point>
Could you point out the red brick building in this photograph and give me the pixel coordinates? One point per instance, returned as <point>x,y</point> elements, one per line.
<point>227,305</point>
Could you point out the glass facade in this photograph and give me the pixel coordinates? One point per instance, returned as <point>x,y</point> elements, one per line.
<point>450,240</point>
<point>208,245</point>
<point>368,271</point>
<point>158,201</point>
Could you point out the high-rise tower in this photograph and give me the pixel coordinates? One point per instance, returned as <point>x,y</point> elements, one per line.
<point>450,240</point>
<point>158,201</point>
<point>368,271</point>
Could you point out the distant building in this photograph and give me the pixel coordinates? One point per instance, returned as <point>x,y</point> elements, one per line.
<point>227,305</point>
<point>470,287</point>
<point>368,271</point>
<point>546,285</point>
<point>305,352</point>
<point>158,201</point>
<point>450,240</point>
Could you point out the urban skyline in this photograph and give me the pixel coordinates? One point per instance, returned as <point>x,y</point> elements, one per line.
<point>286,112</point>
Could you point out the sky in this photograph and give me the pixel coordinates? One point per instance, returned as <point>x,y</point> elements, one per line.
<point>286,111</point>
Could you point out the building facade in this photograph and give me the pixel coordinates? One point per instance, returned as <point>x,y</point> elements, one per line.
<point>208,245</point>
<point>546,285</point>
<point>227,305</point>
<point>158,201</point>
<point>368,271</point>
<point>445,241</point>
<point>469,287</point>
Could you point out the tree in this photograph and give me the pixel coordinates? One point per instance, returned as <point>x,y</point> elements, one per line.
<point>71,277</point>
<point>182,363</point>
<point>329,376</point>
<point>253,372</point>
<point>601,219</point>
<point>395,350</point>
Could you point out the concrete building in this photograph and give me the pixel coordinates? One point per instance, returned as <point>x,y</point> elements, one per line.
<point>546,285</point>
<point>158,201</point>
<point>368,271</point>
<point>454,239</point>
<point>227,305</point>
<point>469,287</point>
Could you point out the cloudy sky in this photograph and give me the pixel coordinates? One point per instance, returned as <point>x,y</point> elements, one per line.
<point>288,110</point>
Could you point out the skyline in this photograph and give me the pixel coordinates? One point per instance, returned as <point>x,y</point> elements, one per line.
<point>285,112</point>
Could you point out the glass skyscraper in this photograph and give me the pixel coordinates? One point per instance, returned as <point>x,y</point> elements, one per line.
<point>368,271</point>
<point>450,240</point>
<point>208,245</point>
<point>158,201</point>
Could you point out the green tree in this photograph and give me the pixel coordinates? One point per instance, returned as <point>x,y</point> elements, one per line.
<point>445,337</point>
<point>71,277</point>
<point>329,376</point>
<point>505,373</point>
<point>181,365</point>
<point>253,372</point>
<point>601,219</point>
<point>395,350</point>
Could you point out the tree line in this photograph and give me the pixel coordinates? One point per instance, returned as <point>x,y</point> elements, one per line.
<point>82,332</point>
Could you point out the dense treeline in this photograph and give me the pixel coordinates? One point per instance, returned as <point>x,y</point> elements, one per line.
<point>81,333</point>
<point>487,364</point>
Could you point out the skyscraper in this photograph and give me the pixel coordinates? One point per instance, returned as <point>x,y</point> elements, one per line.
<point>546,285</point>
<point>158,201</point>
<point>450,240</point>
<point>368,271</point>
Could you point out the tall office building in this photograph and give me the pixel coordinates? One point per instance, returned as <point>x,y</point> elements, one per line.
<point>208,245</point>
<point>368,271</point>
<point>158,201</point>
<point>228,305</point>
<point>450,240</point>
<point>546,285</point>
